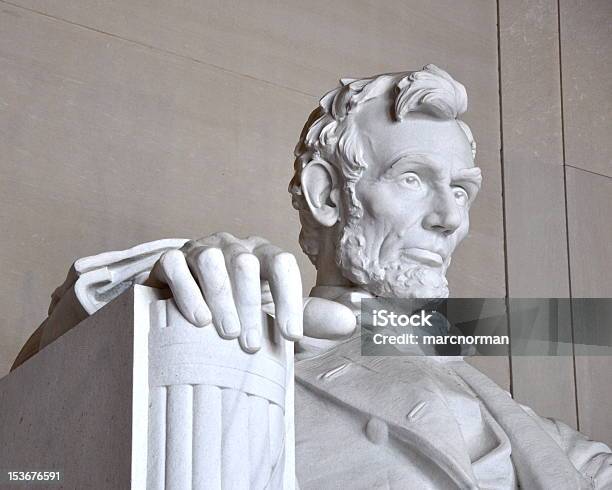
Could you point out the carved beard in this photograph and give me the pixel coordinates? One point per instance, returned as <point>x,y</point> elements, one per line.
<point>400,278</point>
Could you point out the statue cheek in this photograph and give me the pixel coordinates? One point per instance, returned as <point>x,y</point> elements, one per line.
<point>396,212</point>
<point>388,212</point>
<point>460,234</point>
<point>379,198</point>
<point>376,230</point>
<point>465,226</point>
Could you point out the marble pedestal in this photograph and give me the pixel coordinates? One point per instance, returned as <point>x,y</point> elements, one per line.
<point>136,397</point>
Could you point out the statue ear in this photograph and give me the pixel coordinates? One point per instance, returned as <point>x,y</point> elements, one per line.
<point>320,187</point>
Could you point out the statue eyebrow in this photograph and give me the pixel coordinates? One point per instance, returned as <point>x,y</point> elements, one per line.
<point>472,175</point>
<point>417,158</point>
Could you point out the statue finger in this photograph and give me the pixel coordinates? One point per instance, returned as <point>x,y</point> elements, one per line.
<point>208,265</point>
<point>156,277</point>
<point>217,240</point>
<point>243,268</point>
<point>283,274</point>
<point>172,270</point>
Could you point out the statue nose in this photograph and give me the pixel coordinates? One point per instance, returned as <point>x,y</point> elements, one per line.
<point>444,218</point>
<point>441,225</point>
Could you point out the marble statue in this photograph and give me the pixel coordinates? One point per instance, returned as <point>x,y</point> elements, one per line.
<point>384,180</point>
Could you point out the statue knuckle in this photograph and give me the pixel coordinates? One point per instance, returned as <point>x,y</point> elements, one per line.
<point>218,239</point>
<point>170,259</point>
<point>249,301</point>
<point>208,257</point>
<point>245,263</point>
<point>254,241</point>
<point>284,260</point>
<point>190,245</point>
<point>224,237</point>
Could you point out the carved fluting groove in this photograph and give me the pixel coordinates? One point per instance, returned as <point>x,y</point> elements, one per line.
<point>179,433</point>
<point>216,413</point>
<point>207,430</point>
<point>259,442</point>
<point>156,466</point>
<point>235,444</point>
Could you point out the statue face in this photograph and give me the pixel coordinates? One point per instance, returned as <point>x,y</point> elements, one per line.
<point>415,193</point>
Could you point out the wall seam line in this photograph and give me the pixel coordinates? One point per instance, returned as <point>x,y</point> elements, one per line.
<point>567,227</point>
<point>588,171</point>
<point>503,197</point>
<point>160,50</point>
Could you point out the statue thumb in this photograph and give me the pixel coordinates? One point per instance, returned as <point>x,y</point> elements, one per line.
<point>325,319</point>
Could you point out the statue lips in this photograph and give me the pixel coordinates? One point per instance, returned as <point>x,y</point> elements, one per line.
<point>424,256</point>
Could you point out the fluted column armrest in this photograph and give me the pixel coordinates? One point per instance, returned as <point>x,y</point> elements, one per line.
<point>136,397</point>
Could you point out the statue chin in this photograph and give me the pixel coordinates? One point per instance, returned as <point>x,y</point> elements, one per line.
<point>410,280</point>
<point>400,278</point>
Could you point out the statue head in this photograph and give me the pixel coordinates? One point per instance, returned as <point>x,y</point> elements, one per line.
<point>384,180</point>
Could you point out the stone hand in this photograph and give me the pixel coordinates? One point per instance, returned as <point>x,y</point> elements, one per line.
<point>225,280</point>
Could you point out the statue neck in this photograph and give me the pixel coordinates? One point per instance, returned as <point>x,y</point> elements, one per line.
<point>328,273</point>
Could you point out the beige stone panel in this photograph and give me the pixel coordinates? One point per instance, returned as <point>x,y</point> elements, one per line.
<point>536,239</point>
<point>495,367</point>
<point>586,47</point>
<point>594,399</point>
<point>536,247</point>
<point>305,45</point>
<point>530,83</point>
<point>590,232</point>
<point>537,268</point>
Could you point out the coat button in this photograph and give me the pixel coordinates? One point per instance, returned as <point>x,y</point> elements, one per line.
<point>376,431</point>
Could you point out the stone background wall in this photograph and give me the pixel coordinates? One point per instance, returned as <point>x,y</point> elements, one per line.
<point>128,121</point>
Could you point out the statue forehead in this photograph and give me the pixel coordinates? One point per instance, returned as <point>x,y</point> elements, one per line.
<point>384,138</point>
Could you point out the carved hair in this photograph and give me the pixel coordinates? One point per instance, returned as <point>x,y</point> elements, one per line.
<point>330,135</point>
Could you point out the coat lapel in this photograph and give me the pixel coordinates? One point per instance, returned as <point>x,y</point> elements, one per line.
<point>540,463</point>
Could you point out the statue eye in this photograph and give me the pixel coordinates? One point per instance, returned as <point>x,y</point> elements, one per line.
<point>411,180</point>
<point>461,196</point>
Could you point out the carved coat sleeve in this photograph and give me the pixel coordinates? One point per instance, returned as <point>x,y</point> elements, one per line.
<point>91,283</point>
<point>592,459</point>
